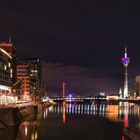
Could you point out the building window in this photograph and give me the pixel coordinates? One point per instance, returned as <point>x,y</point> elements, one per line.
<point>5,67</point>
<point>11,70</point>
<point>9,65</point>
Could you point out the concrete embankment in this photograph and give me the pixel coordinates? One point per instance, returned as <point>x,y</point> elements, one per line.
<point>13,115</point>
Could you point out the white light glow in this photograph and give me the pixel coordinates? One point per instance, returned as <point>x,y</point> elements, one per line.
<point>6,53</point>
<point>5,87</point>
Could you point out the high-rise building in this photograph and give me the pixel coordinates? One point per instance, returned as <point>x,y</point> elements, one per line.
<point>35,68</point>
<point>29,73</point>
<point>6,71</point>
<point>125,61</point>
<point>23,76</point>
<point>10,49</point>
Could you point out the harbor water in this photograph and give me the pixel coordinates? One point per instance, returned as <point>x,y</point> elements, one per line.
<point>67,121</point>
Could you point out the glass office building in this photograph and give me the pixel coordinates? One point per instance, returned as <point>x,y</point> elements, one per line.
<point>6,72</point>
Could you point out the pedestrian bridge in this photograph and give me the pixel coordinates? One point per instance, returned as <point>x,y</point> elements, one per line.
<point>77,99</point>
<point>90,99</point>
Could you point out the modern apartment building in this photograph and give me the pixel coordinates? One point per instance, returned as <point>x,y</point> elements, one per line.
<point>9,48</point>
<point>7,67</point>
<point>29,73</point>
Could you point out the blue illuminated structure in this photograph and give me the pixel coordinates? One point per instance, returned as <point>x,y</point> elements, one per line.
<point>125,61</point>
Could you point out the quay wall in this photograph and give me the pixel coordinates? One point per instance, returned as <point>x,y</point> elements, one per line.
<point>11,116</point>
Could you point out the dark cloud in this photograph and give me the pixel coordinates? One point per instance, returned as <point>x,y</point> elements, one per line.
<point>80,80</point>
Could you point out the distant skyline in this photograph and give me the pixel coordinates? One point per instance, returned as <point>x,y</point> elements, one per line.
<point>80,41</point>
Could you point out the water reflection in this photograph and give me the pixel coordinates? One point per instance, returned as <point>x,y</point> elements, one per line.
<point>126,113</point>
<point>123,111</point>
<point>89,109</point>
<point>45,124</point>
<point>123,138</point>
<point>28,131</point>
<point>64,112</point>
<point>112,112</point>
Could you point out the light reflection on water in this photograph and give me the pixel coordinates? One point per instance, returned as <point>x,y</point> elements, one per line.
<point>27,131</point>
<point>128,114</point>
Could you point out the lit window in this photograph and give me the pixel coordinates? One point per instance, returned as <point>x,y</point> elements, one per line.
<point>5,67</point>
<point>9,64</point>
<point>11,70</point>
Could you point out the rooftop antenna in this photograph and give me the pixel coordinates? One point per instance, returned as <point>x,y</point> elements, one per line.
<point>10,40</point>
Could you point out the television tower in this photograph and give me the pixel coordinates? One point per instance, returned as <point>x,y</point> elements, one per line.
<point>125,61</point>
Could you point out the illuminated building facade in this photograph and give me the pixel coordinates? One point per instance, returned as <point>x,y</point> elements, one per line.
<point>35,68</point>
<point>7,67</point>
<point>10,49</point>
<point>23,75</point>
<point>125,61</point>
<point>6,72</point>
<point>29,73</point>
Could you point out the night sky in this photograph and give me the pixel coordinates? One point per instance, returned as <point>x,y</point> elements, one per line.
<point>80,42</point>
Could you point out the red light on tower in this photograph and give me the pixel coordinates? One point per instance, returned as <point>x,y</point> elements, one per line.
<point>63,86</point>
